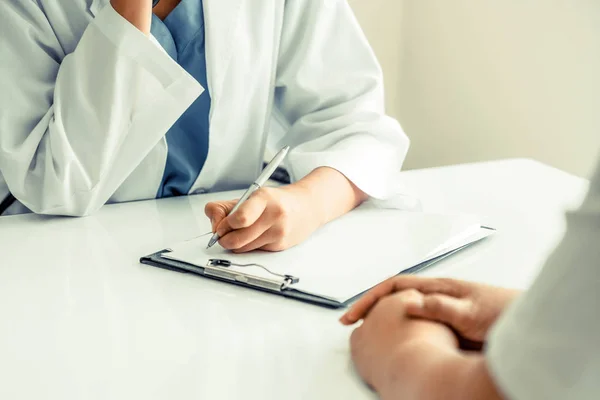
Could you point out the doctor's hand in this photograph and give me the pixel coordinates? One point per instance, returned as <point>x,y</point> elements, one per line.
<point>275,219</point>
<point>272,219</point>
<point>468,308</point>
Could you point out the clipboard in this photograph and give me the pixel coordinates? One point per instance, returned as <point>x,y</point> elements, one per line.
<point>266,272</point>
<point>282,285</point>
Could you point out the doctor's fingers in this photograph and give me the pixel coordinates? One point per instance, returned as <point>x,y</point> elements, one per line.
<point>217,210</point>
<point>236,240</point>
<point>271,240</point>
<point>245,216</point>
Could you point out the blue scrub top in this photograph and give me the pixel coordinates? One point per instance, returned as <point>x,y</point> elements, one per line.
<point>181,34</point>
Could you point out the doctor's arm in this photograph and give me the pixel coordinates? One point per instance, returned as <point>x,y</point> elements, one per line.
<point>74,124</point>
<point>329,88</point>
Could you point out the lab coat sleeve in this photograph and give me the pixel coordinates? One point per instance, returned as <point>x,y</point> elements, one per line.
<point>74,126</point>
<point>329,88</point>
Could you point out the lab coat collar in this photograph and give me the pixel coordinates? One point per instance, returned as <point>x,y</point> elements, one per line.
<point>222,27</point>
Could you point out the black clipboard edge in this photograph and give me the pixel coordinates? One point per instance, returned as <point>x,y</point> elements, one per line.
<point>426,264</point>
<point>156,260</point>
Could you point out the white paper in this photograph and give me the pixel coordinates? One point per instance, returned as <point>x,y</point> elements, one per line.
<point>352,253</point>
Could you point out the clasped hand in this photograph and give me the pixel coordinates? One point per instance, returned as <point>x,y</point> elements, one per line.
<point>413,327</point>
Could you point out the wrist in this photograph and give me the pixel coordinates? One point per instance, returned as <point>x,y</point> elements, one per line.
<point>329,192</point>
<point>418,371</point>
<point>430,371</point>
<point>306,196</point>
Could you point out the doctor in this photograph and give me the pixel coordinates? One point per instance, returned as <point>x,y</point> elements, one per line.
<point>113,101</point>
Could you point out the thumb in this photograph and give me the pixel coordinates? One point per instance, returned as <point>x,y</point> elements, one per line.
<point>216,211</point>
<point>449,310</point>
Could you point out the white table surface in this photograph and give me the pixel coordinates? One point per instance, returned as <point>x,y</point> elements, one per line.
<point>82,319</point>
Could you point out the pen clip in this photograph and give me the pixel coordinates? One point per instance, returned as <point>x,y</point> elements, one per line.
<point>221,268</point>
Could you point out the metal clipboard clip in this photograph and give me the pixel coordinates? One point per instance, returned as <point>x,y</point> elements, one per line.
<point>221,269</point>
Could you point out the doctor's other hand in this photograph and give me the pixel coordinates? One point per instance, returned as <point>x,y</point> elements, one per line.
<point>470,309</point>
<point>137,12</point>
<point>272,219</point>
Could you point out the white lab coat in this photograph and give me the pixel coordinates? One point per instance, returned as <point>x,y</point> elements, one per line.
<point>86,100</point>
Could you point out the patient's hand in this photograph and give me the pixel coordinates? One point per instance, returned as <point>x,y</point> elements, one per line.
<point>386,348</point>
<point>468,308</point>
<point>402,357</point>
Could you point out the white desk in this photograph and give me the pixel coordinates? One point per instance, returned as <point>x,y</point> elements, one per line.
<point>81,319</point>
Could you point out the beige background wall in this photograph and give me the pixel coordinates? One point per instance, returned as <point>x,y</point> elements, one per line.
<point>484,80</point>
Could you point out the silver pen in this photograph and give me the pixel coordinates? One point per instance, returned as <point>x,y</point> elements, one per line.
<point>258,183</point>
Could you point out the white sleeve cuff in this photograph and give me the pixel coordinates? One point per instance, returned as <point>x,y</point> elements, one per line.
<point>369,163</point>
<point>132,43</point>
